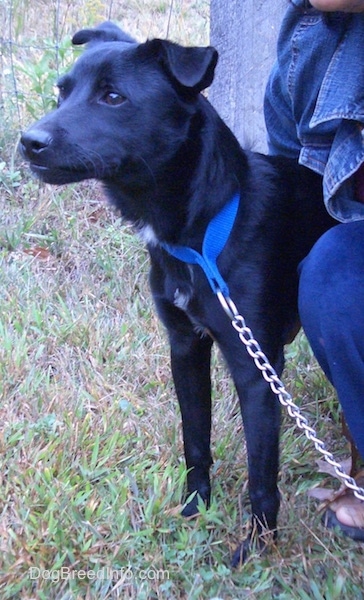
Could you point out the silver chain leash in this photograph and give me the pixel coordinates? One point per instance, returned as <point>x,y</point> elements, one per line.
<point>270,375</point>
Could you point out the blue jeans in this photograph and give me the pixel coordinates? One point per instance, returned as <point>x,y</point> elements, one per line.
<point>331,306</point>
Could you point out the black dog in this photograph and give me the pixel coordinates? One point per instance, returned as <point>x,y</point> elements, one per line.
<point>132,116</point>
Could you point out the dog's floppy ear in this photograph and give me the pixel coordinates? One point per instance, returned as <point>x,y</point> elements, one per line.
<point>106,32</point>
<point>192,67</point>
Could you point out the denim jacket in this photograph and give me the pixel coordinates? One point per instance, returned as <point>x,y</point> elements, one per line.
<point>314,102</point>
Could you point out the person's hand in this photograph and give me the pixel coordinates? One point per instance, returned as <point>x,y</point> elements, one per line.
<point>344,5</point>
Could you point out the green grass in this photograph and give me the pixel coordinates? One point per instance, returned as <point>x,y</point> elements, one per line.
<point>92,469</point>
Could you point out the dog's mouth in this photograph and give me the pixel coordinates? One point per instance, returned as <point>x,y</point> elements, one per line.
<point>46,163</point>
<point>59,175</point>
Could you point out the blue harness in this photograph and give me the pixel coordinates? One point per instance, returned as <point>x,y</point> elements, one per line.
<point>215,238</point>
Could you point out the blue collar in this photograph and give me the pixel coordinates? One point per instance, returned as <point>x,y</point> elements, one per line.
<point>215,238</point>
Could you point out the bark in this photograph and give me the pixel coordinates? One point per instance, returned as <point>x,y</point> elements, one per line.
<point>244,32</point>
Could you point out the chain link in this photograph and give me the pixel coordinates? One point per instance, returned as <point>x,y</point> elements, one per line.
<point>270,375</point>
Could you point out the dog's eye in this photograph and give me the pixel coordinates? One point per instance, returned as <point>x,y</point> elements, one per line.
<point>113,99</point>
<point>61,95</point>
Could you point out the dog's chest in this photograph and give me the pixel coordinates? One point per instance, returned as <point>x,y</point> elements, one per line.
<point>180,286</point>
<point>179,290</point>
<point>184,294</point>
<point>182,299</point>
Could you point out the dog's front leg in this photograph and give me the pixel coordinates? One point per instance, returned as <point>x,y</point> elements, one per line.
<point>190,360</point>
<point>261,417</point>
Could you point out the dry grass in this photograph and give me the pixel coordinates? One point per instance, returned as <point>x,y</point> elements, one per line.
<point>91,455</point>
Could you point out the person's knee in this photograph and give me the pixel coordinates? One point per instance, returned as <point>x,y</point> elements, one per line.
<point>331,291</point>
<point>336,257</point>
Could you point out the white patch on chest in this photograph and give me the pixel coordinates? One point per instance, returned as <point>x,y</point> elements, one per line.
<point>181,300</point>
<point>148,235</point>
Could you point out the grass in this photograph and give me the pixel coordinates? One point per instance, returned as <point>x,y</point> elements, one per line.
<point>92,470</point>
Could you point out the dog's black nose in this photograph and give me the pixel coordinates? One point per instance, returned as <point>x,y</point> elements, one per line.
<point>33,142</point>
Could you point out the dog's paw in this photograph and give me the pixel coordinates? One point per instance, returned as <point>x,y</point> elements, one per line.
<point>193,502</point>
<point>254,544</point>
<point>241,554</point>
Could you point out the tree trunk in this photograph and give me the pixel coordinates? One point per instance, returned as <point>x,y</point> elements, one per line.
<point>244,32</point>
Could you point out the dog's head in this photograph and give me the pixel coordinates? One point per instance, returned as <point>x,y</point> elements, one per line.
<point>123,109</point>
<point>193,68</point>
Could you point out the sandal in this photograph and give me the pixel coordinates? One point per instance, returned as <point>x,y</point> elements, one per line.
<point>346,512</point>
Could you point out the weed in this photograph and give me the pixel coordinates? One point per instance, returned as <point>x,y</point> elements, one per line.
<point>9,178</point>
<point>41,76</point>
